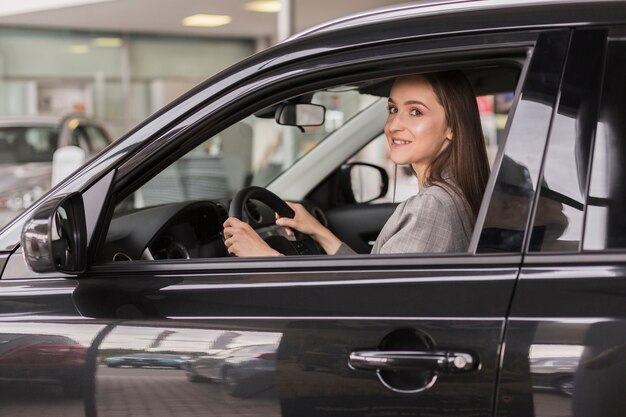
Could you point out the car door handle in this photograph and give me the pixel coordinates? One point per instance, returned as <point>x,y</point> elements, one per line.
<point>437,361</point>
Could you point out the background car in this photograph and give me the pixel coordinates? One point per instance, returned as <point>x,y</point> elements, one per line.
<point>554,374</point>
<point>27,147</point>
<point>43,358</point>
<point>244,371</point>
<point>139,360</point>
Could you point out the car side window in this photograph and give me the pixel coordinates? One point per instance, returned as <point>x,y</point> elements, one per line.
<point>98,139</point>
<point>558,220</point>
<point>79,138</point>
<point>252,151</point>
<point>605,223</point>
<point>28,144</point>
<point>182,208</point>
<point>506,216</point>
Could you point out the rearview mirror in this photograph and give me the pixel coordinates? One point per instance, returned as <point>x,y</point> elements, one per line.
<point>300,114</point>
<point>54,238</point>
<point>362,183</point>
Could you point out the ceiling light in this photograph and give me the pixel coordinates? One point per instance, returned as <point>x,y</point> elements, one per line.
<point>263,6</point>
<point>107,42</point>
<point>207,20</point>
<point>78,49</point>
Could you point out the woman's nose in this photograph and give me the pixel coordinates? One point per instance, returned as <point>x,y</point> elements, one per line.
<point>394,123</point>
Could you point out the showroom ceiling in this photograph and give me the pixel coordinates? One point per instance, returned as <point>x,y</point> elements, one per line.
<point>166,16</point>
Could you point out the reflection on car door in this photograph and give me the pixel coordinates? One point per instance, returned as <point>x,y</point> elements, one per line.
<point>567,331</point>
<point>316,316</point>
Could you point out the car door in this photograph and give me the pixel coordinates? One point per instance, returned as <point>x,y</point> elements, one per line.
<point>565,337</point>
<point>335,321</point>
<point>391,334</point>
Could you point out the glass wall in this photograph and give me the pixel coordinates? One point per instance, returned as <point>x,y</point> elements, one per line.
<point>117,79</point>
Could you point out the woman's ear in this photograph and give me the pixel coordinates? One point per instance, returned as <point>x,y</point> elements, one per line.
<point>449,135</point>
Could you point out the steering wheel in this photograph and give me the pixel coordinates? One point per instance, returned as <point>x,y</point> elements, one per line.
<point>302,244</point>
<point>263,195</point>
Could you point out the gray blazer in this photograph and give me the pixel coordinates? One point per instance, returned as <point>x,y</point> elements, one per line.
<point>434,220</point>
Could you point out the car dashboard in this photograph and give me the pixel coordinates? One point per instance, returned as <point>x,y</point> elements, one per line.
<point>191,230</point>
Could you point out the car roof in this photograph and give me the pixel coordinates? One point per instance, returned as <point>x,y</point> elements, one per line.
<point>6,121</point>
<point>56,121</point>
<point>442,8</point>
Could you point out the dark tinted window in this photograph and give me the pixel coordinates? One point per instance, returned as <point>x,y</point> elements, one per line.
<point>98,139</point>
<point>27,144</point>
<point>509,209</point>
<point>79,138</point>
<point>558,220</point>
<point>605,226</point>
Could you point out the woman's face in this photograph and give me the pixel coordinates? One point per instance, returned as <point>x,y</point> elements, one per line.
<point>416,128</point>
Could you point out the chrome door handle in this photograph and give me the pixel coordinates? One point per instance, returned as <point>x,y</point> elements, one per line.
<point>434,361</point>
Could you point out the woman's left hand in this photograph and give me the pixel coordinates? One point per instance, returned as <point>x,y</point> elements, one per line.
<point>241,240</point>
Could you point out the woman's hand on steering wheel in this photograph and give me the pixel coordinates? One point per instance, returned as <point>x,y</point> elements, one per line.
<point>304,222</point>
<point>242,240</point>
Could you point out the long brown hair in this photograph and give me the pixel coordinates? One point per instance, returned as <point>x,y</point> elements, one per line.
<point>465,158</point>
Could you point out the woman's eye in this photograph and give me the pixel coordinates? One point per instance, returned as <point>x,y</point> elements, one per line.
<point>415,112</point>
<point>392,110</point>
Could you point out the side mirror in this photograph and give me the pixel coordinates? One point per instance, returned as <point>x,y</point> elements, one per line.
<point>361,183</point>
<point>300,114</point>
<point>66,160</point>
<point>55,237</point>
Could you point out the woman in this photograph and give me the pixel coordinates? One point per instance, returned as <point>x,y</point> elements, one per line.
<point>433,126</point>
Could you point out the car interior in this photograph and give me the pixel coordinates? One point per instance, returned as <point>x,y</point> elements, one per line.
<point>325,149</point>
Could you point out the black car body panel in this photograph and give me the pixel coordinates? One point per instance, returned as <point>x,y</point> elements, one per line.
<point>493,327</point>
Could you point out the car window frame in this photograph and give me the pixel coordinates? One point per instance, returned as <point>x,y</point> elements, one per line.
<point>552,82</point>
<point>462,50</point>
<point>596,258</point>
<point>571,68</point>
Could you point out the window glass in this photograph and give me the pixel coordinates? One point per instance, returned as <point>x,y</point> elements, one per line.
<point>97,138</point>
<point>27,144</point>
<point>518,171</point>
<point>558,221</point>
<point>256,149</point>
<point>605,225</point>
<point>79,138</point>
<point>253,151</point>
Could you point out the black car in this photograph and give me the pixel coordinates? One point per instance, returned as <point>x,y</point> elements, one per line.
<point>128,253</point>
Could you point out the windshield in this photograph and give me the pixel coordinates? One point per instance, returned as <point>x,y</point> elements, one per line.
<point>27,144</point>
<point>253,151</point>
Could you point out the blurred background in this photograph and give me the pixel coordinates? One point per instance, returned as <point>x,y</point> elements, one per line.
<point>75,75</point>
<point>118,61</point>
<point>83,72</point>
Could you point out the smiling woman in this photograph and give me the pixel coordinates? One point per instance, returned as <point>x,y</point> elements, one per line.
<point>434,127</point>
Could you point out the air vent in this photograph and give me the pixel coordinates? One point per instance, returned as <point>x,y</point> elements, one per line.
<point>121,257</point>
